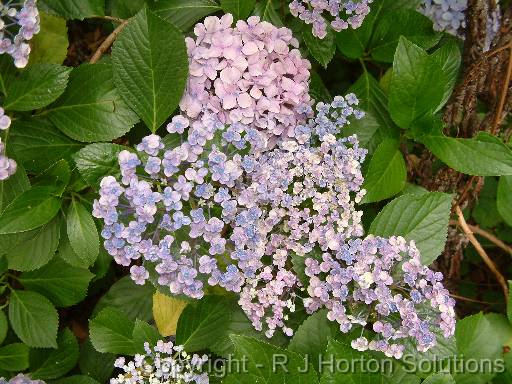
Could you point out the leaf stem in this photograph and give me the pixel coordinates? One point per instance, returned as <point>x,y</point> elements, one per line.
<point>108,42</point>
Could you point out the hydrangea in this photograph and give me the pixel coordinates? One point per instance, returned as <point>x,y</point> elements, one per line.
<point>380,283</point>
<point>450,16</point>
<point>17,27</point>
<point>252,74</point>
<point>342,14</point>
<point>165,363</point>
<point>21,379</point>
<point>174,204</point>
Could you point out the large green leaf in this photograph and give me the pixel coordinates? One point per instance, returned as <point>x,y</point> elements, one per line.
<point>321,49</point>
<point>414,26</point>
<point>423,219</point>
<point>76,379</point>
<point>14,357</point>
<point>240,9</point>
<point>75,9</point>
<point>483,155</point>
<point>270,364</point>
<point>265,9</point>
<point>374,101</point>
<point>184,13</point>
<point>504,198</point>
<point>82,233</point>
<point>34,319</point>
<point>91,108</point>
<point>136,305</point>
<point>36,87</point>
<point>4,326</point>
<point>7,73</point>
<point>386,174</point>
<point>36,251</point>
<point>111,331</point>
<point>33,208</point>
<point>449,58</point>
<point>55,363</point>
<point>417,86</point>
<point>13,187</point>
<point>312,337</point>
<point>150,79</point>
<point>202,323</point>
<point>63,284</point>
<point>95,364</point>
<point>439,378</point>
<point>38,143</point>
<point>124,9</point>
<point>50,45</point>
<point>144,333</point>
<point>97,161</point>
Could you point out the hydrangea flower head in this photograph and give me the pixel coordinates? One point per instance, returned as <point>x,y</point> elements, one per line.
<point>21,379</point>
<point>342,14</point>
<point>380,283</point>
<point>165,363</point>
<point>251,73</point>
<point>450,16</point>
<point>17,27</point>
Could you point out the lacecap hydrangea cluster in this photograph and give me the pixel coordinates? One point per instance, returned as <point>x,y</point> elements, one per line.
<point>20,379</point>
<point>7,166</point>
<point>252,74</point>
<point>380,283</point>
<point>19,22</point>
<point>335,14</point>
<point>228,202</point>
<point>450,16</point>
<point>165,363</point>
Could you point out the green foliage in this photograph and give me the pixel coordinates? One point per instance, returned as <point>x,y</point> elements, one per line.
<point>240,9</point>
<point>75,9</point>
<point>141,67</point>
<point>322,50</point>
<point>82,234</point>
<point>98,160</point>
<point>423,219</point>
<point>51,44</point>
<point>184,13</point>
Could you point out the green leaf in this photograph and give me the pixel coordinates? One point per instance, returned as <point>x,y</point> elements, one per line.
<point>423,219</point>
<point>137,305</point>
<point>266,11</point>
<point>142,333</point>
<point>387,174</point>
<point>91,108</point>
<point>36,87</point>
<point>361,367</point>
<point>476,339</point>
<point>417,86</point>
<point>321,49</point>
<point>63,284</point>
<point>483,155</point>
<point>34,319</point>
<point>30,210</point>
<point>37,251</point>
<point>56,177</point>
<point>82,232</point>
<point>77,379</point>
<point>50,45</point>
<point>184,13</point>
<point>75,9</point>
<point>262,361</point>
<point>38,144</point>
<point>4,327</point>
<point>504,198</point>
<point>150,79</point>
<point>14,357</point>
<point>485,212</point>
<point>312,337</point>
<point>374,101</point>
<point>509,303</point>
<point>55,363</point>
<point>202,323</point>
<point>95,364</point>
<point>449,58</point>
<point>414,26</point>
<point>240,9</point>
<point>97,161</point>
<point>13,187</point>
<point>111,331</point>
<point>317,89</point>
<point>7,73</point>
<point>124,9</point>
